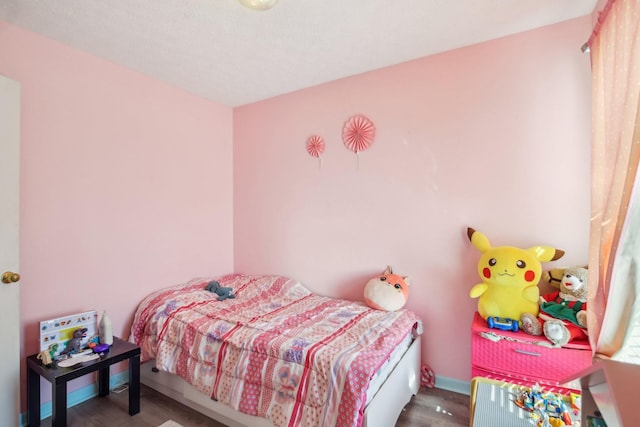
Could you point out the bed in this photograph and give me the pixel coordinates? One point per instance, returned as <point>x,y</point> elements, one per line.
<point>278,354</point>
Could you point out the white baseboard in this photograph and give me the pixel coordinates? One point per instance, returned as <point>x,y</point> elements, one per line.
<point>451,384</point>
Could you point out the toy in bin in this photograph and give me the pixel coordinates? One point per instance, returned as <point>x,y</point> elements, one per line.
<point>502,323</point>
<point>546,409</point>
<point>595,421</point>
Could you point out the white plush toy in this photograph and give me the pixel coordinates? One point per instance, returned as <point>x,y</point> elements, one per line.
<point>387,292</point>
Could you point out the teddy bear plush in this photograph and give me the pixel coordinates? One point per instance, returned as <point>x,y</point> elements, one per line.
<point>563,316</point>
<point>387,292</point>
<point>554,276</point>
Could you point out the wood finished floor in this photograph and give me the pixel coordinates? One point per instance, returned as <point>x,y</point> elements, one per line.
<point>430,407</point>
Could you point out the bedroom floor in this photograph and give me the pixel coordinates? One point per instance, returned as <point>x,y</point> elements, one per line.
<point>430,407</point>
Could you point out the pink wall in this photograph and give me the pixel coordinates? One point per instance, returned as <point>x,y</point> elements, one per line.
<point>495,136</point>
<point>126,184</point>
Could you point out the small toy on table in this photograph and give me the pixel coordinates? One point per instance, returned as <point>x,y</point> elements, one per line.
<point>101,348</point>
<point>48,356</point>
<point>74,345</point>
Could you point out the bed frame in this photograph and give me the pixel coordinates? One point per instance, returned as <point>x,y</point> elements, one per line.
<point>382,410</point>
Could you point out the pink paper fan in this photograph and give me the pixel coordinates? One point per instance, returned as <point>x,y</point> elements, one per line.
<point>358,133</point>
<point>315,146</point>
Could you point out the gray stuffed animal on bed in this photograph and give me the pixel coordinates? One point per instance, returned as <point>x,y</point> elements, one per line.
<point>223,292</point>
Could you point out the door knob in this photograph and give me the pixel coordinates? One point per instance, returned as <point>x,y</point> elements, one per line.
<point>10,277</point>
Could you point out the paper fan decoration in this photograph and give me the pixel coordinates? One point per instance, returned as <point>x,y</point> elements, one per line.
<point>358,133</point>
<point>315,147</point>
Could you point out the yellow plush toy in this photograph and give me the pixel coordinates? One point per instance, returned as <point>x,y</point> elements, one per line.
<point>510,277</point>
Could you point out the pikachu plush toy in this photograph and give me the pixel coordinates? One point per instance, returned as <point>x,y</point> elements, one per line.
<point>510,277</point>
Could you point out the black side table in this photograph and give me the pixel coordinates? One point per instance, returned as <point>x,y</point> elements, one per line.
<point>58,377</point>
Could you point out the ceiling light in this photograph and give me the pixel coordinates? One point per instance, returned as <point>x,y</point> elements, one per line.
<point>258,4</point>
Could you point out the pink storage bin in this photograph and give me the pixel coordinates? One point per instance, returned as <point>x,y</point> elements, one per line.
<point>514,357</point>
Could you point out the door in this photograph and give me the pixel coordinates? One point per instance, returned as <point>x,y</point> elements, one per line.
<point>9,292</point>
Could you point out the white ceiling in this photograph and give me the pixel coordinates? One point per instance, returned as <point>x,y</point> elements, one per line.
<point>235,56</point>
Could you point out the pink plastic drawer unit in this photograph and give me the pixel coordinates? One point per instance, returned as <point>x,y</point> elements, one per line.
<point>515,357</point>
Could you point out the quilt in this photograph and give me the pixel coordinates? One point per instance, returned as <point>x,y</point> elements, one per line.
<point>277,350</point>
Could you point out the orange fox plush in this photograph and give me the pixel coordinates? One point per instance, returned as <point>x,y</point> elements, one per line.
<point>387,292</point>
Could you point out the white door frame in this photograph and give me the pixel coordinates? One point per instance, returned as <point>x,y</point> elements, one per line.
<point>9,240</point>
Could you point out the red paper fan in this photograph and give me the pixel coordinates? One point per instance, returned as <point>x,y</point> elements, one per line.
<point>358,133</point>
<point>315,146</point>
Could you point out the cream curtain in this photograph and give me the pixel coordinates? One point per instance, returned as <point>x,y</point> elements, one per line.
<point>614,253</point>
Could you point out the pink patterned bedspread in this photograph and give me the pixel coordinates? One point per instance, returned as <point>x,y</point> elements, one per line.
<point>276,351</point>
